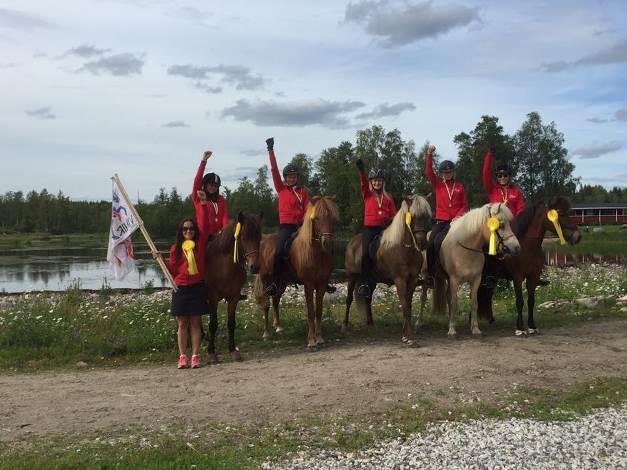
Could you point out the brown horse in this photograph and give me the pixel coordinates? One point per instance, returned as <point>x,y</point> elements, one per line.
<point>311,264</point>
<point>530,229</point>
<point>398,260</point>
<point>226,260</point>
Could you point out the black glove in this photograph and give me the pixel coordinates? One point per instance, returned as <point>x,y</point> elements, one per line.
<point>360,164</point>
<point>270,143</point>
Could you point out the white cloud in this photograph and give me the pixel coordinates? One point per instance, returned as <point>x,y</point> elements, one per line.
<point>120,65</point>
<point>596,150</point>
<point>41,113</point>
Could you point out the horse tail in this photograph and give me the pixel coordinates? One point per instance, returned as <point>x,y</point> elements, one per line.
<point>439,296</point>
<point>259,293</point>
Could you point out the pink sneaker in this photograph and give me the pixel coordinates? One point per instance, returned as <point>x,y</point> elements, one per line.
<point>195,361</point>
<point>183,364</point>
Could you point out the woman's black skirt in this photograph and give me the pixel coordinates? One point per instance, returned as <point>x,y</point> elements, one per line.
<point>190,300</point>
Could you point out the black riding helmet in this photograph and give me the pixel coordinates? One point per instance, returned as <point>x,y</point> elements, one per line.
<point>446,165</point>
<point>376,174</point>
<point>290,170</point>
<point>503,169</point>
<point>211,178</point>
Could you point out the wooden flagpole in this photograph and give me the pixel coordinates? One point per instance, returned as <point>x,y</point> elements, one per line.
<point>144,232</point>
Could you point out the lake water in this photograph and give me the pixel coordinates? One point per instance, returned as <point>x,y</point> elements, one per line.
<point>56,267</point>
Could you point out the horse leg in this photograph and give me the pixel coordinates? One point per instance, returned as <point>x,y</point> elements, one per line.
<point>213,329</point>
<point>311,325</point>
<point>407,335</point>
<point>520,324</point>
<point>320,290</point>
<point>474,304</point>
<point>531,303</point>
<point>233,349</point>
<point>349,300</point>
<point>276,301</point>
<point>369,320</point>
<point>266,326</point>
<point>452,306</point>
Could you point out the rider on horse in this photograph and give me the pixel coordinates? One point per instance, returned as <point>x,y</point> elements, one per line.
<point>450,202</point>
<point>217,211</point>
<point>293,200</point>
<point>502,190</point>
<point>379,210</point>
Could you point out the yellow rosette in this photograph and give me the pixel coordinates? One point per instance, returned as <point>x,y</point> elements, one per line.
<point>553,216</point>
<point>238,228</point>
<point>408,223</point>
<point>188,249</point>
<point>493,225</point>
<point>312,213</point>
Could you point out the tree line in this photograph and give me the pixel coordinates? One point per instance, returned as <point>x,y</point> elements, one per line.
<point>535,153</point>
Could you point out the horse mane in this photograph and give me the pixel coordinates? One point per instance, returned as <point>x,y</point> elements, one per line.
<point>324,207</point>
<point>393,235</point>
<point>560,203</point>
<point>472,221</point>
<point>524,220</point>
<point>223,241</point>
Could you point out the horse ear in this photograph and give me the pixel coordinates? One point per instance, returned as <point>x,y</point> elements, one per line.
<point>240,217</point>
<point>408,200</point>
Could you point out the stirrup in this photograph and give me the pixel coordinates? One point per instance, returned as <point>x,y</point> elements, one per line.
<point>330,289</point>
<point>364,291</point>
<point>272,289</point>
<point>543,282</point>
<point>428,282</point>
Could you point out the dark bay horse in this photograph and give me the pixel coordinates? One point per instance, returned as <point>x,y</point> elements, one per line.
<point>461,258</point>
<point>398,260</point>
<point>310,264</point>
<point>226,260</point>
<point>530,228</point>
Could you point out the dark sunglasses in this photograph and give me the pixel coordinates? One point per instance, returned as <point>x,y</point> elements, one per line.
<point>189,229</point>
<point>502,175</point>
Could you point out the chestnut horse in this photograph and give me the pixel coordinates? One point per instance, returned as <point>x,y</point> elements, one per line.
<point>461,258</point>
<point>310,264</point>
<point>228,253</point>
<point>398,260</point>
<point>530,228</point>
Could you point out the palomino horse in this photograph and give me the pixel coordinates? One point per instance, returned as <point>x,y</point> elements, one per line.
<point>461,258</point>
<point>530,228</point>
<point>398,259</point>
<point>311,263</point>
<point>226,259</point>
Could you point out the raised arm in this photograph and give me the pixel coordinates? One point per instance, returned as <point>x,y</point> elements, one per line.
<point>363,179</point>
<point>429,167</point>
<point>488,184</point>
<point>202,217</point>
<point>274,168</point>
<point>198,178</point>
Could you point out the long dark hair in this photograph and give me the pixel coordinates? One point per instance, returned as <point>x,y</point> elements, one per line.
<point>178,251</point>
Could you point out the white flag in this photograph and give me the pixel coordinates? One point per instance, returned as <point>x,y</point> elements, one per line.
<point>123,224</point>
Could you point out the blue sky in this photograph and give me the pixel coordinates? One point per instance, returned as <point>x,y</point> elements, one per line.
<point>141,88</point>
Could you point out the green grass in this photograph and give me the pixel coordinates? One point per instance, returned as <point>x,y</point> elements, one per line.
<point>611,241</point>
<point>43,331</point>
<point>223,447</point>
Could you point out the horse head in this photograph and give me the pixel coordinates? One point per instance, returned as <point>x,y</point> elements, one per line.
<point>420,225</point>
<point>507,243</point>
<point>321,219</point>
<point>561,206</point>
<point>249,237</point>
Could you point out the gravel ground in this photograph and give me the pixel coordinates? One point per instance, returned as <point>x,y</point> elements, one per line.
<point>598,440</point>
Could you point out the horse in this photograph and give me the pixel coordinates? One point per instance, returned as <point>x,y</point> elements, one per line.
<point>228,253</point>
<point>461,258</point>
<point>311,262</point>
<point>398,260</point>
<point>530,228</point>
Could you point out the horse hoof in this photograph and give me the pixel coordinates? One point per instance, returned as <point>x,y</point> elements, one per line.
<point>266,336</point>
<point>452,335</point>
<point>319,341</point>
<point>278,329</point>
<point>213,359</point>
<point>476,332</point>
<point>520,333</point>
<point>533,331</point>
<point>236,356</point>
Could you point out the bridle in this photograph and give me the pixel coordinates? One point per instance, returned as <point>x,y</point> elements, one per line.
<point>502,248</point>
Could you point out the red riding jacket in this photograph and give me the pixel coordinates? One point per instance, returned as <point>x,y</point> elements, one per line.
<point>217,211</point>
<point>450,199</point>
<point>292,200</point>
<point>378,209</point>
<point>178,267</point>
<point>510,194</point>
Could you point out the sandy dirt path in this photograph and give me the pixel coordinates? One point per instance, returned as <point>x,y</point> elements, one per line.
<point>351,380</point>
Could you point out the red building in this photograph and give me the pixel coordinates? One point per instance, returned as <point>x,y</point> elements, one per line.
<point>601,213</point>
